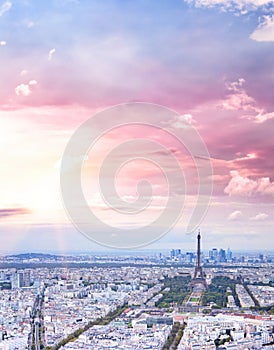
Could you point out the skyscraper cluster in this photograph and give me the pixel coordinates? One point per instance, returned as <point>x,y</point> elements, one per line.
<point>220,255</point>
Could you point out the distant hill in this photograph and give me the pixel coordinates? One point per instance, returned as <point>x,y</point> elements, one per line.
<point>28,256</point>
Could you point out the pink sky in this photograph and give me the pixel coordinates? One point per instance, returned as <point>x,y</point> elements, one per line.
<point>210,61</point>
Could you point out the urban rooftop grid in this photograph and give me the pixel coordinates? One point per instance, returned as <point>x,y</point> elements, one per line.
<point>159,301</point>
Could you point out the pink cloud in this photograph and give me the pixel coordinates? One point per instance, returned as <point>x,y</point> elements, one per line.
<point>244,186</point>
<point>25,89</point>
<point>7,212</point>
<point>242,139</point>
<point>239,100</point>
<point>262,117</point>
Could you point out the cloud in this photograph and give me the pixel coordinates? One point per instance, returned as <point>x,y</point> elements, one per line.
<point>182,121</point>
<point>243,186</point>
<point>3,43</point>
<point>242,157</point>
<point>236,215</point>
<point>259,217</point>
<point>242,6</point>
<point>25,89</point>
<point>23,72</point>
<point>22,90</point>
<point>263,117</point>
<point>238,99</point>
<point>32,82</point>
<point>7,212</point>
<point>265,30</point>
<point>51,52</point>
<point>5,7</point>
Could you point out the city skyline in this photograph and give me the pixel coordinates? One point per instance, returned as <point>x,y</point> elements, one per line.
<point>210,61</point>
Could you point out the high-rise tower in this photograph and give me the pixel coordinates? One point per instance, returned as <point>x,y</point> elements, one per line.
<point>199,278</point>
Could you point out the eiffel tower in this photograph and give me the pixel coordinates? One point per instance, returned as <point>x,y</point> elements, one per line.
<point>198,281</point>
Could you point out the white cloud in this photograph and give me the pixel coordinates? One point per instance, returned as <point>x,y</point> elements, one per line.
<point>22,90</point>
<point>23,72</point>
<point>182,121</point>
<point>51,52</point>
<point>25,89</point>
<point>259,217</point>
<point>32,82</point>
<point>238,99</point>
<point>3,43</point>
<point>235,85</point>
<point>236,215</point>
<point>243,186</point>
<point>265,30</point>
<point>5,7</point>
<point>231,5</point>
